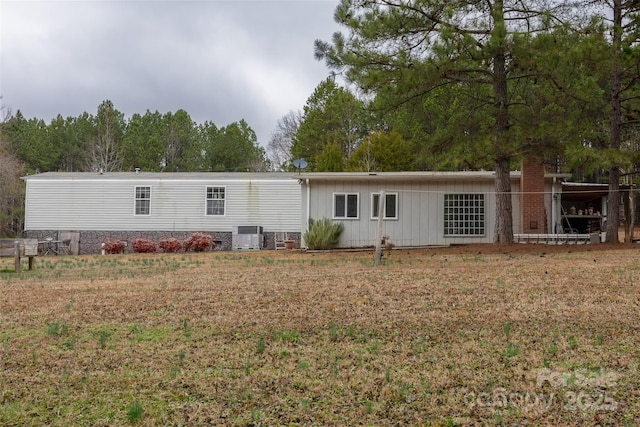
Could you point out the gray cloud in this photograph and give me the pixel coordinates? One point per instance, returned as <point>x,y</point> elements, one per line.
<point>221,61</point>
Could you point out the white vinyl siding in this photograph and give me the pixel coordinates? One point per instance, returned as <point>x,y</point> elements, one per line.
<point>390,205</point>
<point>216,199</point>
<point>84,201</point>
<point>464,215</point>
<point>143,200</point>
<point>346,206</point>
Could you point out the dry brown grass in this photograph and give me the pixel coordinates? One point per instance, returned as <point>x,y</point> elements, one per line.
<point>433,337</point>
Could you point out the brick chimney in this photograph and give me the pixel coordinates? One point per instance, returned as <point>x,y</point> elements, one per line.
<point>532,213</point>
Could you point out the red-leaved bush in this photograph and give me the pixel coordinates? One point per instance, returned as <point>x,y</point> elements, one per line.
<point>170,245</point>
<point>198,242</point>
<point>113,246</point>
<point>143,245</point>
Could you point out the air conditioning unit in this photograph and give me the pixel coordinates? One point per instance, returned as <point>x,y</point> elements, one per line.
<point>246,237</point>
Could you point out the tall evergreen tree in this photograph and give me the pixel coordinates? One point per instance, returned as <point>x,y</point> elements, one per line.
<point>181,148</point>
<point>143,142</point>
<point>79,133</point>
<point>233,148</point>
<point>382,152</point>
<point>406,49</point>
<point>332,116</point>
<point>28,139</point>
<point>624,95</point>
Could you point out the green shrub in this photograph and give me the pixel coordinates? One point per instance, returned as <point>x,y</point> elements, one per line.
<point>323,233</point>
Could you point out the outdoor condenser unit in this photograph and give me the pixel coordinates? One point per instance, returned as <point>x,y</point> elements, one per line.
<point>246,237</point>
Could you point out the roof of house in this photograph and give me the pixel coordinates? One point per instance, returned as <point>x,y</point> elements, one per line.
<point>318,176</point>
<point>587,191</point>
<point>413,176</point>
<point>193,176</point>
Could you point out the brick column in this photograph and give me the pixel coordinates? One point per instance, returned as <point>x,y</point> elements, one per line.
<point>532,212</point>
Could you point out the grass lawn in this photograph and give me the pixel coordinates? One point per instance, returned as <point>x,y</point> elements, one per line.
<point>460,336</point>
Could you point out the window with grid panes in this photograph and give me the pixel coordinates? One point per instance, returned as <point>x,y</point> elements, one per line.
<point>215,200</point>
<point>143,201</point>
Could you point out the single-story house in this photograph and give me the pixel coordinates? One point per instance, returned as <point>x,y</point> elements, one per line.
<point>259,210</point>
<point>430,208</point>
<point>87,208</point>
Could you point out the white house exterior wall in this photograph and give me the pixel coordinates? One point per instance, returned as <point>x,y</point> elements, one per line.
<point>279,202</point>
<point>420,210</point>
<point>82,202</point>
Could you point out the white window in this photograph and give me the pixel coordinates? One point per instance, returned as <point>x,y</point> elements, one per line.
<point>346,205</point>
<point>143,201</point>
<point>216,200</point>
<point>390,205</point>
<point>464,215</point>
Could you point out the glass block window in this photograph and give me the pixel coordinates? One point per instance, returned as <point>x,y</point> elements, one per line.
<point>464,215</point>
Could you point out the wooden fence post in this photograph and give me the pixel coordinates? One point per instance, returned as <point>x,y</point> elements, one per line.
<point>379,232</point>
<point>16,248</point>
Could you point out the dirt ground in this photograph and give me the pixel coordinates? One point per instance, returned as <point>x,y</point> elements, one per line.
<point>530,335</point>
<point>521,248</point>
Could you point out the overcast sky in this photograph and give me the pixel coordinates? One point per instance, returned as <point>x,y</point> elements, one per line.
<point>221,61</point>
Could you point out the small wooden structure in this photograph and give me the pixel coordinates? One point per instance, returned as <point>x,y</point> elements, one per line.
<point>19,248</point>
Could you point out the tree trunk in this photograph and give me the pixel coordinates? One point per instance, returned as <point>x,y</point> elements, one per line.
<point>613,209</point>
<point>613,206</point>
<point>504,218</point>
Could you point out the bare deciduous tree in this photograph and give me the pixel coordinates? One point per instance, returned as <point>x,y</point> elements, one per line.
<point>5,112</point>
<point>104,155</point>
<point>279,147</point>
<point>11,187</point>
<point>105,151</point>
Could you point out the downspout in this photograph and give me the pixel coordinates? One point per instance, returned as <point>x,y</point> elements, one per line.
<point>306,225</point>
<point>26,224</point>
